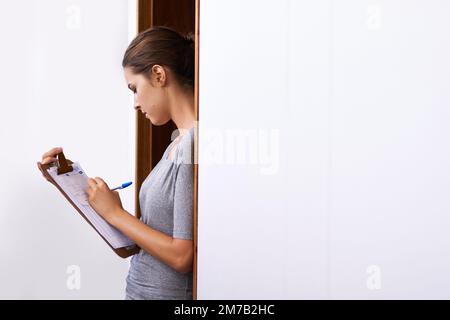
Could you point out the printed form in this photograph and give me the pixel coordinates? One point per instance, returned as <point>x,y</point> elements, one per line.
<point>74,185</point>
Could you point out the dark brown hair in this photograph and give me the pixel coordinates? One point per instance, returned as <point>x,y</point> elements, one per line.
<point>163,46</point>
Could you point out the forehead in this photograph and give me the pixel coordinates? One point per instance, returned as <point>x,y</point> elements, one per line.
<point>135,78</point>
<point>129,74</point>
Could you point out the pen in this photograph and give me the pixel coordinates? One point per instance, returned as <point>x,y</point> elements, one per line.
<point>123,185</point>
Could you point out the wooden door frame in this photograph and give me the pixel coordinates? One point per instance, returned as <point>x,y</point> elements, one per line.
<point>151,141</point>
<point>196,107</point>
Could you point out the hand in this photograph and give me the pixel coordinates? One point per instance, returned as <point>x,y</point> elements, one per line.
<point>104,201</point>
<point>49,157</point>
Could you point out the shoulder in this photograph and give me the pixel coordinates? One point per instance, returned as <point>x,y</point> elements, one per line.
<point>186,148</point>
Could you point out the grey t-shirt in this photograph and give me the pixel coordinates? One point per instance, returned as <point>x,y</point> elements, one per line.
<point>166,202</point>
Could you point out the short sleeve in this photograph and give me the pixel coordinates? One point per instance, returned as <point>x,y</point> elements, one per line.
<point>183,207</point>
<point>183,211</point>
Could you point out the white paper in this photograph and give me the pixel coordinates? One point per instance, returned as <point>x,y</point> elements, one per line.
<point>74,185</point>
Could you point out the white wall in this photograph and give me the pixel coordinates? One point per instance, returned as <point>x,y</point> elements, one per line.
<point>343,186</point>
<point>61,85</point>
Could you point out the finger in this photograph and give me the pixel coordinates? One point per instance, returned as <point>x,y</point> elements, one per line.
<point>92,183</point>
<point>100,181</point>
<point>90,193</point>
<point>48,160</point>
<point>53,152</point>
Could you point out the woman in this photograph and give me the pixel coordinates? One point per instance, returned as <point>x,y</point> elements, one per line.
<point>159,69</point>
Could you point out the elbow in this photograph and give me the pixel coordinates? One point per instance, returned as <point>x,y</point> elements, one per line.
<point>184,263</point>
<point>183,254</point>
<point>184,268</point>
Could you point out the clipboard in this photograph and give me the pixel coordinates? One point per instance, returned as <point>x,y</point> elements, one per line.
<point>64,166</point>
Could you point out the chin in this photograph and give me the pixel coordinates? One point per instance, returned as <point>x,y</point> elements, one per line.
<point>159,122</point>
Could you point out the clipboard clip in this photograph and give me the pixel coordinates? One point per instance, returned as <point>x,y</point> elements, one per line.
<point>62,164</point>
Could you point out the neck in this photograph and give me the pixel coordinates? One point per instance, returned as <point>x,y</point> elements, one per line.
<point>182,109</point>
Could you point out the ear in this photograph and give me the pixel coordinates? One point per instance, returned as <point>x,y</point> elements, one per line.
<point>159,75</point>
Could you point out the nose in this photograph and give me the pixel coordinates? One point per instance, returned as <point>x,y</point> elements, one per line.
<point>136,104</point>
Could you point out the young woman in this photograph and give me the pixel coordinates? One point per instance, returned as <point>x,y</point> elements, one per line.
<point>159,69</point>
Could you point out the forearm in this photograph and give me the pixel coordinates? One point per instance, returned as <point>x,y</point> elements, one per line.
<point>154,242</point>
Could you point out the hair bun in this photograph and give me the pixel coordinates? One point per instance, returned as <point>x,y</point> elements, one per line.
<point>190,39</point>
<point>189,57</point>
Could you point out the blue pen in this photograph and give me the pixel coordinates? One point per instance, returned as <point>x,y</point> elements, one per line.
<point>124,185</point>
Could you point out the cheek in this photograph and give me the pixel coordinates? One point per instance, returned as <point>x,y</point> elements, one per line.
<point>152,100</point>
<point>141,99</point>
<point>147,95</point>
<point>155,101</point>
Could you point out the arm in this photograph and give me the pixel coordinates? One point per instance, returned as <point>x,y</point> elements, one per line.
<point>177,253</point>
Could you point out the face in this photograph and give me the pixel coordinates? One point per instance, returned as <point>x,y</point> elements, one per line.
<point>150,95</point>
